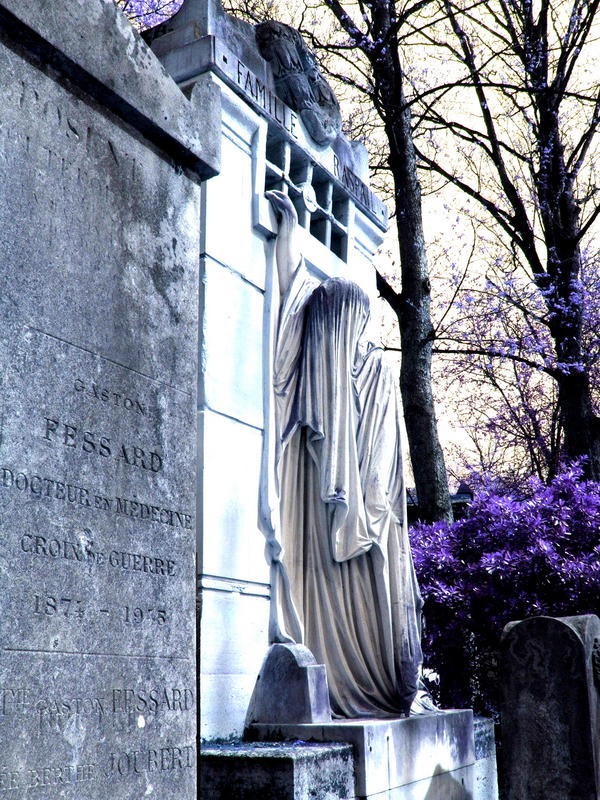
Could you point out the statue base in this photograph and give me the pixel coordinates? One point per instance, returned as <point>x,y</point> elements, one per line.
<point>428,756</point>
<point>291,687</point>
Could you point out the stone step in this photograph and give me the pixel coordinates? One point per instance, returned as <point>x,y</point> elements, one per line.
<point>276,771</point>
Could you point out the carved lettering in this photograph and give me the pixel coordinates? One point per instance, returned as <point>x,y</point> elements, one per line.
<point>44,487</point>
<point>81,551</point>
<point>60,715</point>
<point>45,777</point>
<point>10,779</point>
<point>153,701</point>
<point>105,395</point>
<point>153,760</point>
<point>254,88</point>
<point>72,609</point>
<point>136,562</point>
<point>142,511</point>
<point>39,487</point>
<point>353,183</point>
<point>49,606</point>
<point>86,706</point>
<point>83,142</point>
<point>14,701</point>
<point>67,435</point>
<point>57,776</point>
<point>84,552</point>
<point>54,712</point>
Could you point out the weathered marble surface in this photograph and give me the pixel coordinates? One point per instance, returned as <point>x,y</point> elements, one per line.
<point>199,43</point>
<point>298,80</point>
<point>485,779</point>
<point>300,771</point>
<point>100,52</point>
<point>391,756</point>
<point>202,37</point>
<point>433,770</point>
<point>291,687</point>
<point>98,298</point>
<point>550,708</point>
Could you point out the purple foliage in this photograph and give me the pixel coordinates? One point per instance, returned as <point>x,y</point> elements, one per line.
<point>512,556</point>
<point>148,13</point>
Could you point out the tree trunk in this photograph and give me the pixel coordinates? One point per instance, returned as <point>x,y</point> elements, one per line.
<point>416,337</point>
<point>561,287</point>
<point>579,421</point>
<point>412,306</point>
<point>580,424</point>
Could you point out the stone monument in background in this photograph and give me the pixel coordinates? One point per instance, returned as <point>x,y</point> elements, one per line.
<point>101,164</point>
<point>265,146</point>
<point>551,703</point>
<point>270,144</point>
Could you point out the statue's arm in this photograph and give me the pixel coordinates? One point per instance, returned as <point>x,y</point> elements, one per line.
<point>287,249</point>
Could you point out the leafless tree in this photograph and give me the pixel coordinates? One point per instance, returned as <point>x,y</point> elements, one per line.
<point>510,119</point>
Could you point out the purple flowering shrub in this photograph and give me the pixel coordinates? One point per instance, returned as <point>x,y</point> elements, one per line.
<point>512,556</point>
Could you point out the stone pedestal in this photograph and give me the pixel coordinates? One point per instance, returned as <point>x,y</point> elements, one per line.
<point>427,757</point>
<point>291,686</point>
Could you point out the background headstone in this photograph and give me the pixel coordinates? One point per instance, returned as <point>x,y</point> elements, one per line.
<point>550,708</point>
<point>100,166</point>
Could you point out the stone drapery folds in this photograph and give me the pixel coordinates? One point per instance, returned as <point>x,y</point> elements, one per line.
<point>354,594</point>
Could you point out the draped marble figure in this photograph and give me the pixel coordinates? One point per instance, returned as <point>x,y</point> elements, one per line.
<point>353,597</point>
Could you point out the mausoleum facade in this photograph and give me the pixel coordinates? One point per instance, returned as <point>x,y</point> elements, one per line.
<point>264,146</point>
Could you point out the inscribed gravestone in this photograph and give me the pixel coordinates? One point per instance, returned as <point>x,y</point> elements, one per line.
<point>98,296</point>
<point>550,708</point>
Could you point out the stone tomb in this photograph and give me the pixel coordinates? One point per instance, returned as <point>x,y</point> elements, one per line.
<point>550,672</point>
<point>101,166</point>
<point>264,146</point>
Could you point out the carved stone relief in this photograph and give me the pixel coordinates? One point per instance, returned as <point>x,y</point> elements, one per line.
<point>298,80</point>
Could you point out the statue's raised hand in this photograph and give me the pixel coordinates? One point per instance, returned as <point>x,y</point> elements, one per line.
<point>282,205</point>
<point>287,250</point>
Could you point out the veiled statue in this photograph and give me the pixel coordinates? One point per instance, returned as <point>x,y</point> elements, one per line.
<point>345,582</point>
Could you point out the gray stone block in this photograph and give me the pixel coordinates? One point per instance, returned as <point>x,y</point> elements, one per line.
<point>455,785</point>
<point>291,688</point>
<point>98,300</point>
<point>391,753</point>
<point>298,771</point>
<point>485,772</point>
<point>95,47</point>
<point>484,737</point>
<point>200,18</point>
<point>550,711</point>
